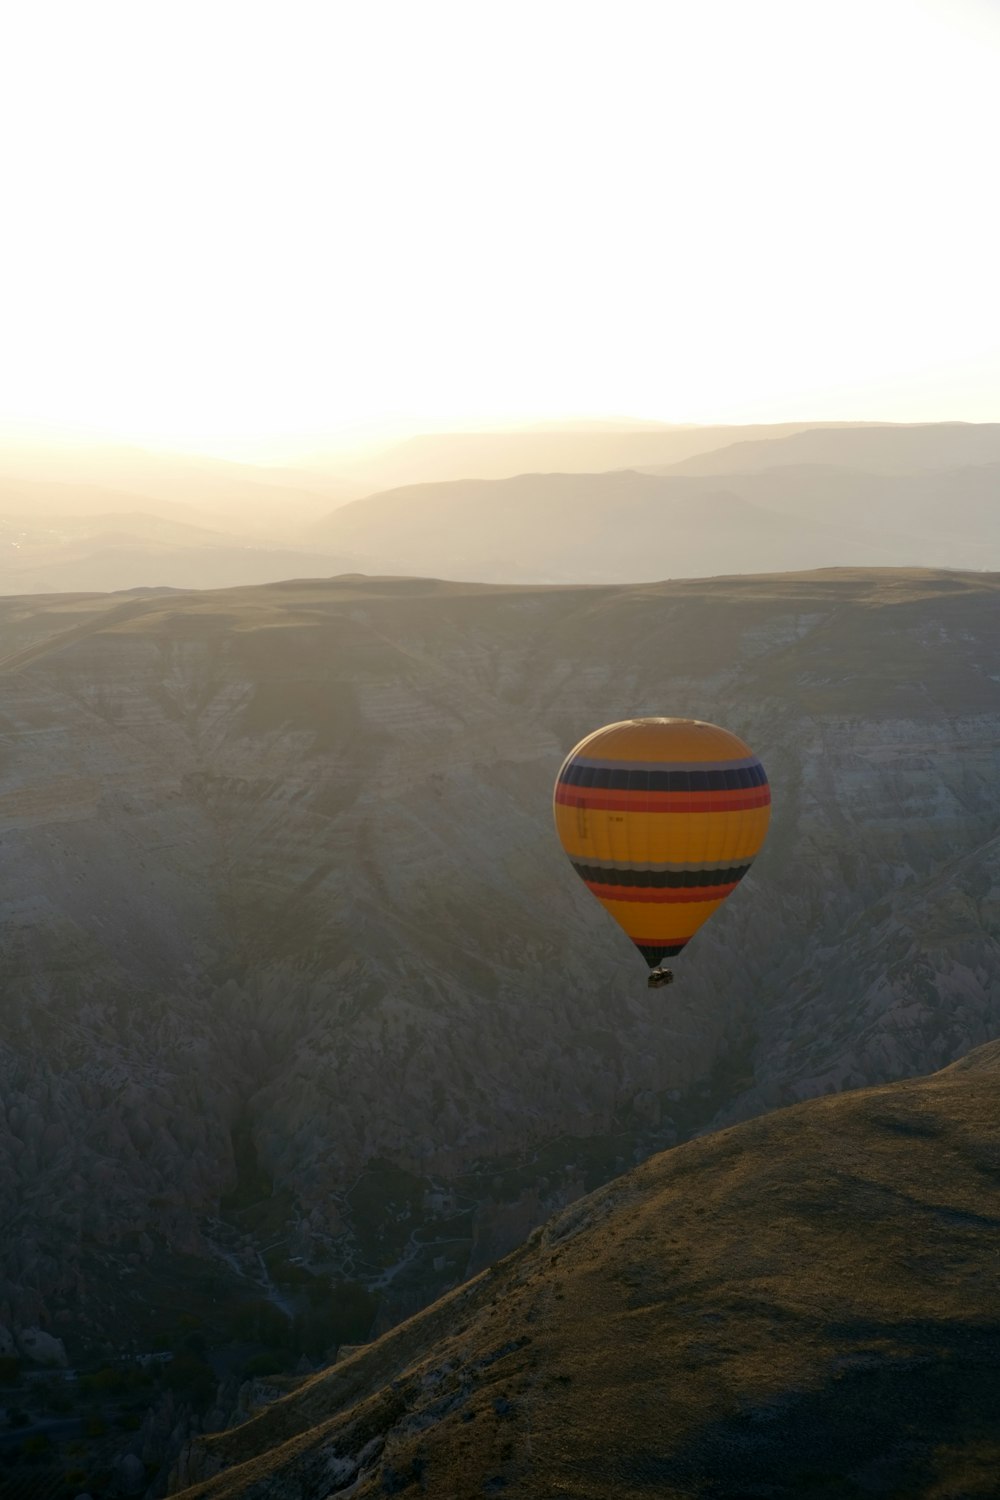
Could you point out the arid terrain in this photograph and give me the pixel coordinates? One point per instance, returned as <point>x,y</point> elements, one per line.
<point>801,1306</point>
<point>293,962</point>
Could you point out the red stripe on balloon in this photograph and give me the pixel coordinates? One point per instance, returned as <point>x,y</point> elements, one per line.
<point>669,896</point>
<point>599,799</point>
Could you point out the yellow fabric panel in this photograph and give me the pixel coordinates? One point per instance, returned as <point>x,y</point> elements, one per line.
<point>658,838</point>
<point>662,921</point>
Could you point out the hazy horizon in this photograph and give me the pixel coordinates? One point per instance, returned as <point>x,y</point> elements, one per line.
<point>354,452</point>
<point>589,503</point>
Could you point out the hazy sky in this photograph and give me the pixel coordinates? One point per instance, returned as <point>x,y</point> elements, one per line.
<point>237,225</point>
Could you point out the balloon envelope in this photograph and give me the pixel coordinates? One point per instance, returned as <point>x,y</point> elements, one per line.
<point>661,819</point>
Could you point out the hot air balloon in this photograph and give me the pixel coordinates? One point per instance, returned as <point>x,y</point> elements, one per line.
<point>661,819</point>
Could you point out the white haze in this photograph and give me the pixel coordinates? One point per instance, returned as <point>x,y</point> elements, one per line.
<point>263,230</point>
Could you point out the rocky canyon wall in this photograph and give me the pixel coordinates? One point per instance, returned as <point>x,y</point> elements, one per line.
<point>277,868</point>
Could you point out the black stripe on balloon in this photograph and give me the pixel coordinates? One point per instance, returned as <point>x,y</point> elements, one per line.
<point>740,778</point>
<point>671,879</point>
<point>653,956</point>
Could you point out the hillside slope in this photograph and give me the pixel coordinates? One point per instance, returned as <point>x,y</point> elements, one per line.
<point>914,449</point>
<point>951,514</point>
<point>57,479</point>
<point>595,528</point>
<point>806,1305</point>
<point>570,448</point>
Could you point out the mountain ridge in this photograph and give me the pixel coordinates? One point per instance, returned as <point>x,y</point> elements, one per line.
<point>436,457</point>
<point>586,528</point>
<point>891,449</point>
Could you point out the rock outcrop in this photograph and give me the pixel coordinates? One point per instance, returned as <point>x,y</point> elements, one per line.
<point>42,1348</point>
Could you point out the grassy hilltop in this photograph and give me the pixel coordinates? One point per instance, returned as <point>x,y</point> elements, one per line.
<point>804,1305</point>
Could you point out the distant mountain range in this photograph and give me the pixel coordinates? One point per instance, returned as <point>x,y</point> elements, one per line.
<point>123,550</point>
<point>875,449</point>
<point>930,496</point>
<point>193,489</point>
<point>804,1306</point>
<point>618,527</point>
<point>579,448</point>
<point>949,507</point>
<point>655,503</point>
